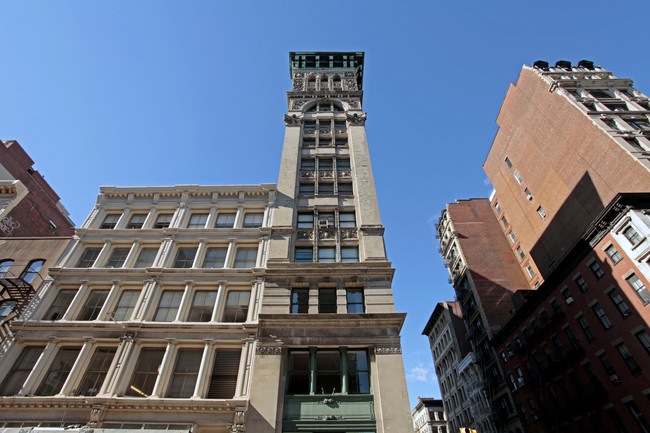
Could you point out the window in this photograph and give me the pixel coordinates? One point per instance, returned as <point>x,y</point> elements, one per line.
<point>163,221</point>
<point>88,257</point>
<point>349,254</point>
<point>110,221</point>
<point>597,270</point>
<point>632,235</point>
<point>6,308</point>
<point>628,358</point>
<point>93,305</point>
<point>327,300</point>
<point>4,266</point>
<point>572,338</point>
<point>202,306</point>
<point>306,189</point>
<point>197,221</point>
<point>299,301</point>
<point>639,288</point>
<point>117,258</point>
<point>512,237</point>
<point>125,305</point>
<point>639,125</point>
<point>644,339</point>
<point>236,306</point>
<point>224,374</point>
<point>245,257</point>
<point>304,255</point>
<point>305,220</point>
<point>518,177</point>
<point>609,368</point>
<point>634,143</point>
<point>611,124</point>
<point>325,164</point>
<point>567,295</point>
<point>31,271</point>
<point>531,272</point>
<point>616,106</point>
<point>20,370</point>
<point>600,94</point>
<point>508,163</point>
<point>185,257</point>
<point>325,188</point>
<point>586,328</point>
<point>215,257</point>
<point>326,254</point>
<point>168,306</point>
<point>136,221</point>
<point>581,283</point>
<point>345,188</point>
<point>520,251</point>
<point>58,371</point>
<point>505,222</point>
<point>326,219</point>
<point>347,219</point>
<point>620,303</point>
<point>146,257</point>
<point>96,373</point>
<point>308,164</point>
<point>498,208</point>
<point>541,213</point>
<point>600,313</point>
<point>225,221</point>
<point>60,305</point>
<point>354,299</point>
<point>342,164</point>
<point>185,373</point>
<point>146,372</point>
<point>253,220</point>
<point>638,416</point>
<point>529,195</point>
<point>323,371</point>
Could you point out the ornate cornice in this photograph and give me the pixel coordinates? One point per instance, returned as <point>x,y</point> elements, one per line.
<point>268,350</point>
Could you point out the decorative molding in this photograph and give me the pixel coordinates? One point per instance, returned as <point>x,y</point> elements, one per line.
<point>373,230</point>
<point>348,233</point>
<point>298,75</point>
<point>298,84</point>
<point>297,104</point>
<point>302,234</point>
<point>350,84</point>
<point>388,349</point>
<point>268,350</point>
<point>293,120</point>
<point>349,74</point>
<point>357,119</point>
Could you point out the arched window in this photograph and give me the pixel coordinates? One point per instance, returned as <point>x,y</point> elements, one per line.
<point>311,82</point>
<point>4,266</point>
<point>324,82</point>
<point>32,270</point>
<point>6,307</point>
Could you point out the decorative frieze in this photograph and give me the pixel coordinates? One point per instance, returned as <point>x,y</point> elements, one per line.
<point>350,84</point>
<point>348,233</point>
<point>268,350</point>
<point>388,349</point>
<point>298,85</point>
<point>326,234</point>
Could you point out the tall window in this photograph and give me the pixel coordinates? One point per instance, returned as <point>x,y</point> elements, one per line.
<point>93,305</point>
<point>354,299</point>
<point>236,306</point>
<point>58,371</point>
<point>88,257</point>
<point>586,328</point>
<point>185,373</point>
<point>324,371</point>
<point>215,258</point>
<point>202,306</point>
<point>581,283</point>
<point>305,220</point>
<point>349,254</point>
<point>117,258</point>
<point>97,370</point>
<point>146,257</point>
<point>304,255</point>
<point>110,221</point>
<point>299,300</point>
<point>326,254</point>
<point>613,254</point>
<point>136,221</point>
<point>22,367</point>
<point>125,305</point>
<point>146,372</point>
<point>327,300</point>
<point>185,257</point>
<point>600,313</point>
<point>632,235</point>
<point>225,221</point>
<point>253,220</point>
<point>32,270</point>
<point>163,221</point>
<point>347,219</point>
<point>224,373</point>
<point>168,307</point>
<point>6,308</point>
<point>644,339</point>
<point>245,257</point>
<point>597,270</point>
<point>60,305</point>
<point>639,288</point>
<point>197,221</point>
<point>628,358</point>
<point>620,303</point>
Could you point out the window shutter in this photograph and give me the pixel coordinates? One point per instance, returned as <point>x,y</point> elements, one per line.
<point>224,374</point>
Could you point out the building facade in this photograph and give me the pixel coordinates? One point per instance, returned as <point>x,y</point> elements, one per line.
<point>227,308</point>
<point>429,416</point>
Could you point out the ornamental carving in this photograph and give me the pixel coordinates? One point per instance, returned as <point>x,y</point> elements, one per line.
<point>326,234</point>
<point>353,104</point>
<point>345,173</point>
<point>350,84</point>
<point>357,119</point>
<point>8,225</point>
<point>388,349</point>
<point>349,75</point>
<point>325,131</point>
<point>302,234</point>
<point>268,350</point>
<point>297,104</point>
<point>307,174</point>
<point>298,75</point>
<point>298,85</point>
<point>293,120</point>
<point>350,233</point>
<point>326,174</point>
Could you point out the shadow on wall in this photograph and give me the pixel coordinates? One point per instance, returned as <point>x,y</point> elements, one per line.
<point>568,224</point>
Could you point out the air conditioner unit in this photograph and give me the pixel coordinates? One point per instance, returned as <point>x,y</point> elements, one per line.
<point>569,300</point>
<point>323,223</point>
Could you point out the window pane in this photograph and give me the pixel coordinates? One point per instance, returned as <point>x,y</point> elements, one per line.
<point>298,378</point>
<point>31,271</point>
<point>345,188</point>
<point>305,220</point>
<point>168,307</point>
<point>185,373</point>
<point>58,371</point>
<point>185,258</point>
<point>215,258</point>
<point>93,305</point>
<point>88,257</point>
<point>125,305</point>
<point>236,306</point>
<point>253,220</point>
<point>146,257</point>
<point>225,220</point>
<point>117,258</point>
<point>299,301</point>
<point>136,221</point>
<point>224,374</point>
<point>639,288</point>
<point>110,221</point>
<point>349,254</point>
<point>347,219</point>
<point>325,188</point>
<point>326,255</point>
<point>146,372</point>
<point>355,300</point>
<point>328,372</point>
<point>4,266</point>
<point>21,369</point>
<point>304,255</point>
<point>327,300</point>
<point>202,306</point>
<point>245,257</point>
<point>306,189</point>
<point>163,221</point>
<point>197,221</point>
<point>96,373</point>
<point>60,305</point>
<point>358,372</point>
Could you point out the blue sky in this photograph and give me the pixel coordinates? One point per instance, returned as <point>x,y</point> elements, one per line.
<point>133,93</point>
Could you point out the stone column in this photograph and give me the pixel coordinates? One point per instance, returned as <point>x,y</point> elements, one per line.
<point>203,378</point>
<point>116,372</point>
<point>111,299</point>
<point>78,368</point>
<point>239,218</point>
<point>186,301</point>
<point>143,305</point>
<point>245,362</point>
<point>212,218</point>
<point>124,219</point>
<point>103,255</point>
<point>200,254</point>
<point>132,256</point>
<point>165,369</point>
<point>218,303</point>
<point>40,368</point>
<point>150,219</point>
<point>77,302</point>
<point>230,255</point>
